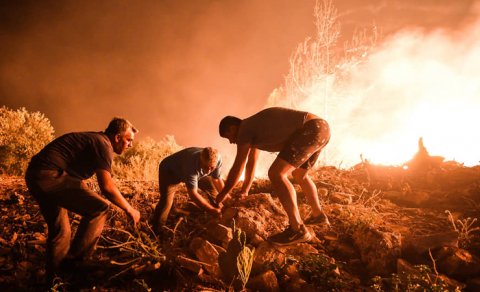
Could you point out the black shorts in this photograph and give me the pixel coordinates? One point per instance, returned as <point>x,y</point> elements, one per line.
<point>304,146</point>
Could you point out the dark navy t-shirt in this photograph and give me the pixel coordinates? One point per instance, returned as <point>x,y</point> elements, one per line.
<point>184,166</point>
<point>79,154</point>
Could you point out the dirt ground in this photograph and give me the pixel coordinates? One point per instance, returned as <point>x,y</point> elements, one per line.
<point>411,203</point>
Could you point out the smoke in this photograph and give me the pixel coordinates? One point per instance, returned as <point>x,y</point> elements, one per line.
<point>417,83</point>
<point>171,67</point>
<point>177,67</point>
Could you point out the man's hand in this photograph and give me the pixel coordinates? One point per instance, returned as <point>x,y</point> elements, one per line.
<point>134,214</point>
<point>217,212</point>
<point>221,198</point>
<point>241,195</point>
<point>109,189</point>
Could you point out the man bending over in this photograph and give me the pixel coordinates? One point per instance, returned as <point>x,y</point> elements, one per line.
<point>298,137</point>
<point>188,166</point>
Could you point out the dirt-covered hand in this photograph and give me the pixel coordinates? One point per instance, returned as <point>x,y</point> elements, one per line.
<point>134,214</point>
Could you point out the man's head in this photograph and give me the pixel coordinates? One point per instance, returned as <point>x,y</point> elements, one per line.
<point>228,128</point>
<point>208,159</point>
<point>121,133</point>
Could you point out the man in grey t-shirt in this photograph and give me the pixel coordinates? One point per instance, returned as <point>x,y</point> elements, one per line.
<point>188,166</point>
<point>298,137</point>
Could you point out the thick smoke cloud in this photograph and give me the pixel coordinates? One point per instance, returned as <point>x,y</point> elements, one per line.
<point>171,67</point>
<point>422,84</point>
<point>416,83</point>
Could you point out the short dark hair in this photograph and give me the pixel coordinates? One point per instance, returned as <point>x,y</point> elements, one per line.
<point>226,122</point>
<point>118,126</point>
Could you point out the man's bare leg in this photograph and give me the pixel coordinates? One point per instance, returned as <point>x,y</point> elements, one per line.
<point>278,174</point>
<point>308,186</point>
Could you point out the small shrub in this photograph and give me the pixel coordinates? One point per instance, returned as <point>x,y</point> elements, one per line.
<point>422,279</point>
<point>322,272</point>
<point>464,228</point>
<point>22,135</point>
<point>355,217</point>
<point>141,161</point>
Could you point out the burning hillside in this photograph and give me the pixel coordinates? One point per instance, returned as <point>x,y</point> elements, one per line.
<point>417,223</point>
<point>401,219</point>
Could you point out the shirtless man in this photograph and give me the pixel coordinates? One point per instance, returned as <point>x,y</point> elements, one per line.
<point>298,137</point>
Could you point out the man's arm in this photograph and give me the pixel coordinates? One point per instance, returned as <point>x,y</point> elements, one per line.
<point>235,172</point>
<point>201,201</point>
<point>110,190</point>
<point>250,171</point>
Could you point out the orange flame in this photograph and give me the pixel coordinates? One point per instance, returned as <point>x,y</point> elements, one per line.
<point>415,85</point>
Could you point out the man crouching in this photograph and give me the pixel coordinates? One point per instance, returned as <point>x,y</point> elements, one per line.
<point>56,179</point>
<point>188,166</point>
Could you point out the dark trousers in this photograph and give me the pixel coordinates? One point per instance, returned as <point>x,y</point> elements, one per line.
<point>56,193</point>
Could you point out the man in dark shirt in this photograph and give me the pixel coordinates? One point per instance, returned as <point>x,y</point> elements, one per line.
<point>56,179</point>
<point>188,166</point>
<point>298,137</point>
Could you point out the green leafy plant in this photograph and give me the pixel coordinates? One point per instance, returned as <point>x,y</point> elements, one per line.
<point>422,279</point>
<point>321,271</point>
<point>236,262</point>
<point>22,135</point>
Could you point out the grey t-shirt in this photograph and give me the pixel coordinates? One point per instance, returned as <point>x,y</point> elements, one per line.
<point>184,166</point>
<point>270,128</point>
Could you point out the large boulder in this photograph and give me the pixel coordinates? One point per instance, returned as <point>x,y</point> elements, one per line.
<point>207,253</point>
<point>379,250</point>
<point>416,247</point>
<point>458,263</point>
<point>218,233</point>
<point>258,215</point>
<point>266,281</point>
<point>268,255</point>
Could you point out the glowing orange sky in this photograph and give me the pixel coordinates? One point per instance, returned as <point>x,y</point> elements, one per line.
<point>172,67</point>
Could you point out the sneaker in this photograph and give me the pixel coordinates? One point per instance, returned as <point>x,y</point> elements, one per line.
<point>290,236</point>
<point>318,220</point>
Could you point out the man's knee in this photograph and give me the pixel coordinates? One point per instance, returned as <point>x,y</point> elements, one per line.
<point>275,174</point>
<point>300,175</point>
<point>280,169</point>
<point>103,210</point>
<point>100,210</point>
<point>60,235</point>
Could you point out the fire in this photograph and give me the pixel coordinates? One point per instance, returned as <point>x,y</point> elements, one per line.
<point>415,85</point>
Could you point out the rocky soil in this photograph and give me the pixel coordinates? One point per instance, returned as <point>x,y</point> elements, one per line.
<point>391,228</point>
